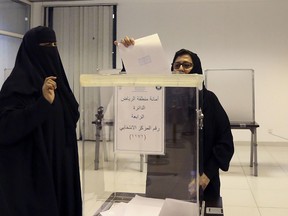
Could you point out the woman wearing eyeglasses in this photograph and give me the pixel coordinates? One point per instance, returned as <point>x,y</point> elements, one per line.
<point>217,147</point>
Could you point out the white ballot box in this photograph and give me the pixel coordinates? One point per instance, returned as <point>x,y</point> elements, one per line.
<point>152,150</point>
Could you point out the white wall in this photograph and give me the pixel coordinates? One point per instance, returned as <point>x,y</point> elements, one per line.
<point>14,23</point>
<point>225,34</point>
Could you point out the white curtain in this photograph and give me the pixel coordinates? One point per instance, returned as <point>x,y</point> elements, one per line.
<point>85,42</point>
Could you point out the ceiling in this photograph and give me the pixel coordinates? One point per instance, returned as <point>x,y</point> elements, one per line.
<point>51,0</point>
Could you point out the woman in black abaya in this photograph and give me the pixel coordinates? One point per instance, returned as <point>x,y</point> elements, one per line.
<point>216,146</point>
<point>216,140</point>
<point>39,170</point>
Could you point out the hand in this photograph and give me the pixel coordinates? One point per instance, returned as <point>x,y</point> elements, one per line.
<point>127,41</point>
<point>203,182</point>
<point>192,188</point>
<point>48,88</point>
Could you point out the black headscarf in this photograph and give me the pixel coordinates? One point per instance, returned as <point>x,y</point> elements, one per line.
<point>39,163</point>
<point>33,64</point>
<point>197,68</point>
<point>216,142</point>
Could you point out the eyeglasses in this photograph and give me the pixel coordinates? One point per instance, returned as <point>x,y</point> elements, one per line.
<point>50,44</point>
<point>185,65</point>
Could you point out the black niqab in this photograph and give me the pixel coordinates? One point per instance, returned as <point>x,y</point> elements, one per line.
<point>38,145</point>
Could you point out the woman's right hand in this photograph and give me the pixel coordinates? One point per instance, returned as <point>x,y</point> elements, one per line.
<point>48,88</point>
<point>127,41</point>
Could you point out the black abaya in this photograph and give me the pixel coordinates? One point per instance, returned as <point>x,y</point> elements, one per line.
<point>215,150</point>
<point>39,170</point>
<point>216,146</point>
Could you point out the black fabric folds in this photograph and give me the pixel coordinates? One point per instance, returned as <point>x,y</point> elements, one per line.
<point>38,144</point>
<point>216,142</point>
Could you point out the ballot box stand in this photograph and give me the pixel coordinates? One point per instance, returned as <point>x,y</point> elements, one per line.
<point>153,115</point>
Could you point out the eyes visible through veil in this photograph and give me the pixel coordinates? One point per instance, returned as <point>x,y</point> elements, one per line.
<point>48,44</point>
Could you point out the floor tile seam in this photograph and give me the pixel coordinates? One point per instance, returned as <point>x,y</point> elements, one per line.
<point>279,165</point>
<point>251,190</point>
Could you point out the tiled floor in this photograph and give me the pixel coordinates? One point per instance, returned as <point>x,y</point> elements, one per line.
<point>242,193</point>
<point>267,194</point>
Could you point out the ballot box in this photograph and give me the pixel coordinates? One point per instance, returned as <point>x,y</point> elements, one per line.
<point>139,141</point>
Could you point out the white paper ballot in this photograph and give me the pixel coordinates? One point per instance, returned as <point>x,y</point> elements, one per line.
<point>117,209</point>
<point>138,206</point>
<point>146,56</point>
<point>172,207</point>
<point>147,201</point>
<point>143,206</point>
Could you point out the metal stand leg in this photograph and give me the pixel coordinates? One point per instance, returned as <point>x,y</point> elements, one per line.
<point>105,146</point>
<point>97,147</point>
<point>98,123</point>
<point>253,153</point>
<point>251,149</point>
<point>255,145</point>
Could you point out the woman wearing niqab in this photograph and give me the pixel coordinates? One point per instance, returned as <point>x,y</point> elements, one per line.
<point>39,167</point>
